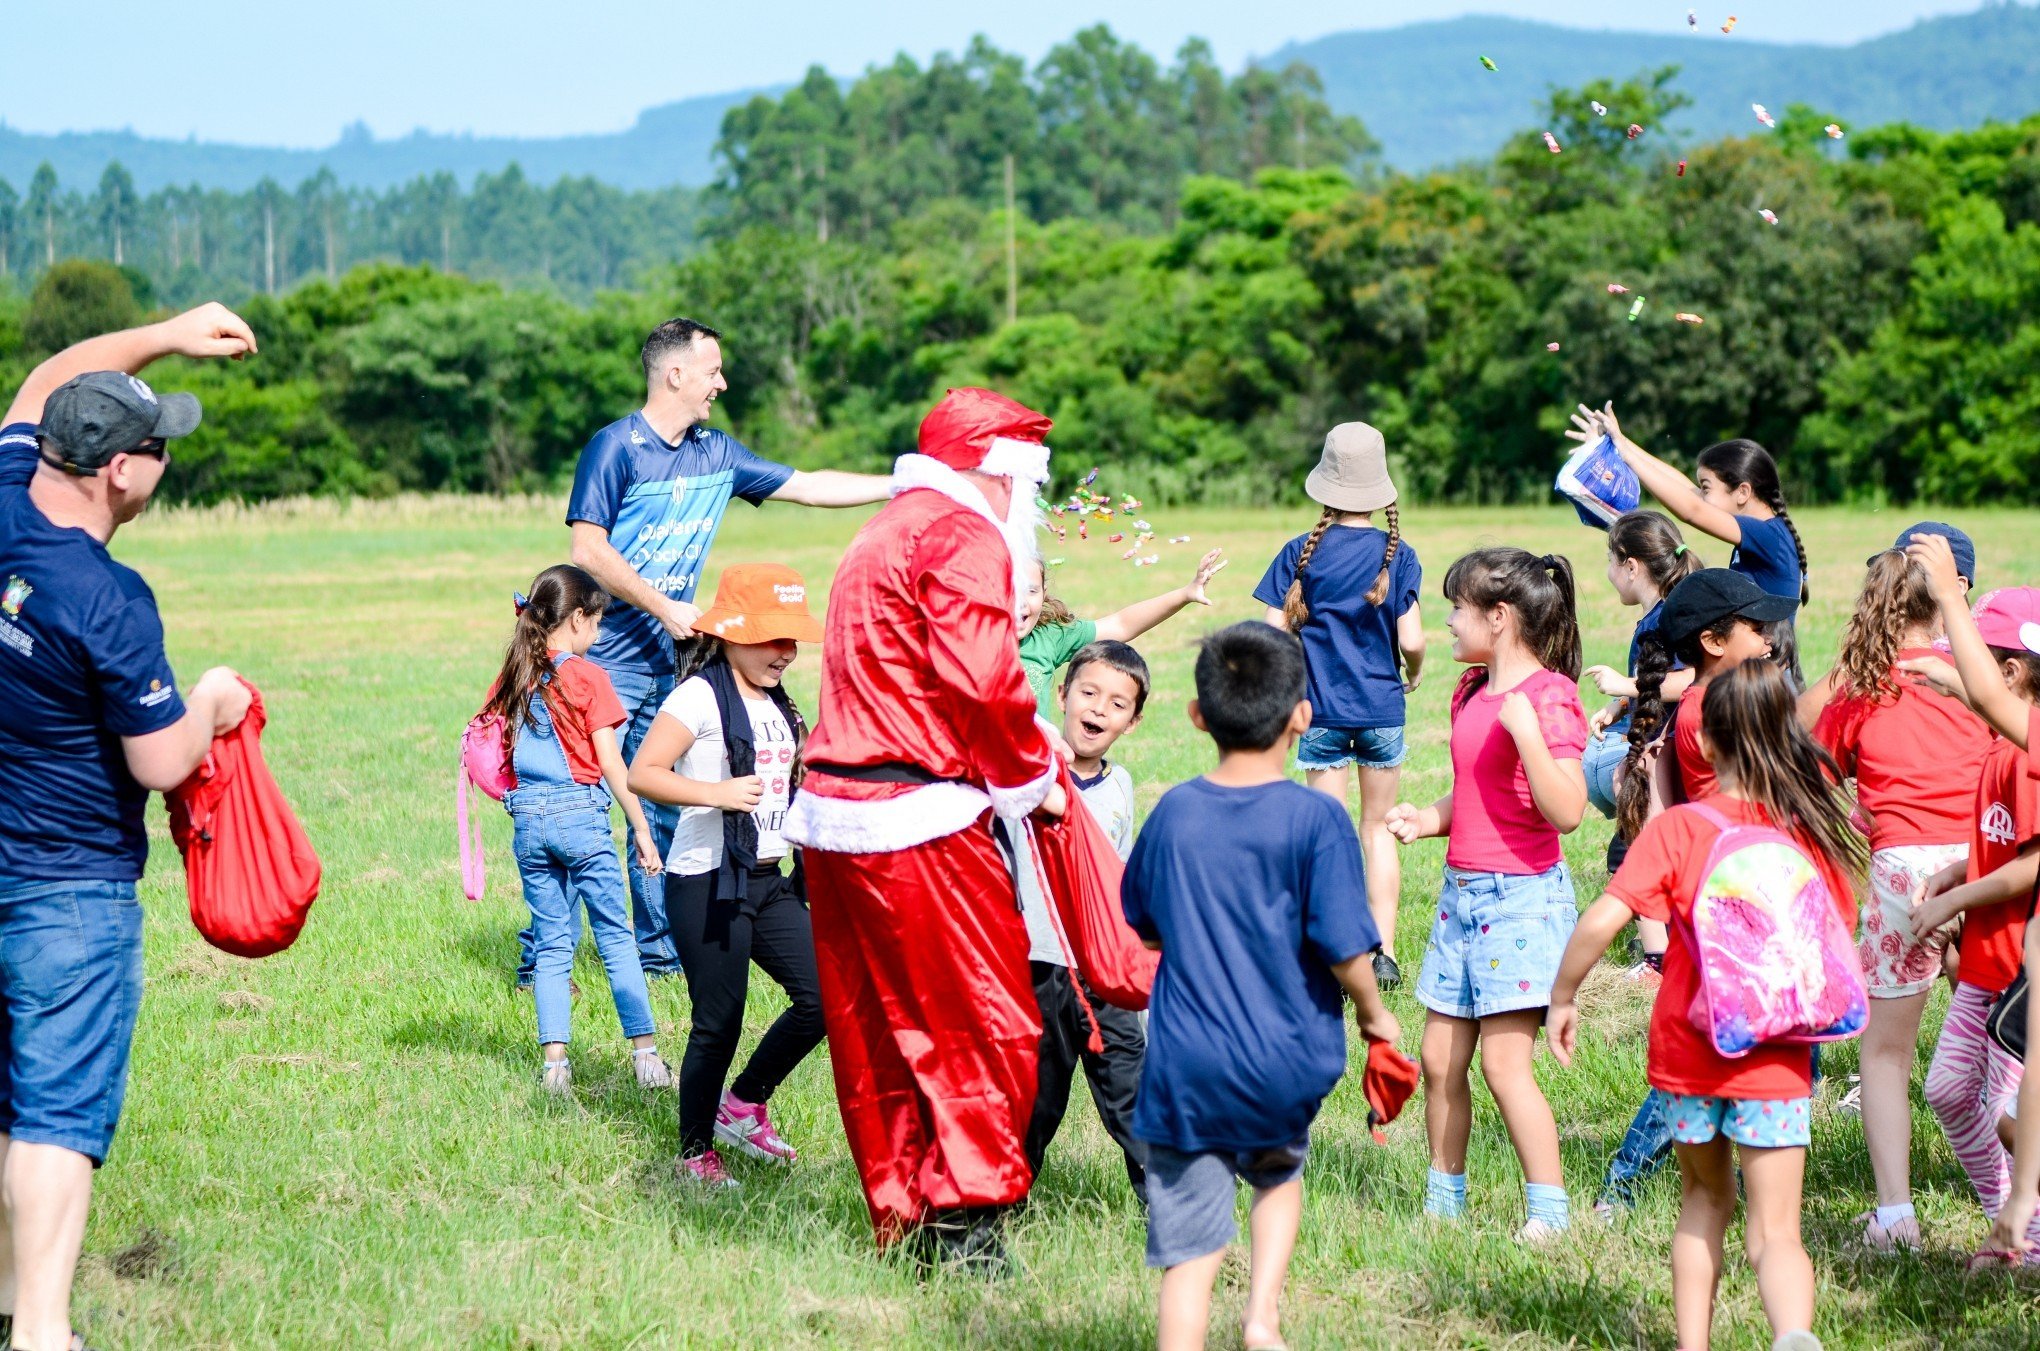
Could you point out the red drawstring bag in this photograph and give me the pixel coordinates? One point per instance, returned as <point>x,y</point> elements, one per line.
<point>249,870</point>
<point>1083,872</point>
<point>1390,1078</point>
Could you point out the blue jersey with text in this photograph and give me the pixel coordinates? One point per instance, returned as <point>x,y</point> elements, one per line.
<point>661,504</point>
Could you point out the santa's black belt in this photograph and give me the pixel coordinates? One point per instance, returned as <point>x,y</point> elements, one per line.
<point>890,771</point>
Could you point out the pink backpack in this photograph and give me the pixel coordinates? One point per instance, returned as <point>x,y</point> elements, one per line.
<point>483,764</point>
<point>1776,963</point>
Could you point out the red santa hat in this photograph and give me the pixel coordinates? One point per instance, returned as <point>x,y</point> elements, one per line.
<point>984,430</point>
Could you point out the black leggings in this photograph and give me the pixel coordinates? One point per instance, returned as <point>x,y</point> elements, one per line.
<point>717,942</point>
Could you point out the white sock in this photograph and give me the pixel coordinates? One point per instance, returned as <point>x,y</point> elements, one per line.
<point>1887,1216</point>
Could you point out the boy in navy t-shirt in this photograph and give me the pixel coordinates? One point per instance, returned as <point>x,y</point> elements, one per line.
<point>1250,886</point>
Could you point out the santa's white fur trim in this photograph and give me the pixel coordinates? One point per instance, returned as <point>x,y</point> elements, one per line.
<point>925,471</point>
<point>1021,461</point>
<point>1014,803</point>
<point>883,825</point>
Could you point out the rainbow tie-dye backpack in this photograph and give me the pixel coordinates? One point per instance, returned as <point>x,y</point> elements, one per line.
<point>1776,962</point>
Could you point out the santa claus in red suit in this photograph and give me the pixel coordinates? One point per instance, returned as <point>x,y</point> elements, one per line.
<point>926,740</point>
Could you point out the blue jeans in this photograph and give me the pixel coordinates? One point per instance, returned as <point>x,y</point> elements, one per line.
<point>1645,1150</point>
<point>641,693</point>
<point>70,991</point>
<point>566,858</point>
<point>1601,760</point>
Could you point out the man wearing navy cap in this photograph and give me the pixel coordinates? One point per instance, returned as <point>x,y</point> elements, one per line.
<point>94,725</point>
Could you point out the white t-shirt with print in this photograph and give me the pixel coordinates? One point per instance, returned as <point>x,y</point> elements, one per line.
<point>1110,801</point>
<point>698,839</point>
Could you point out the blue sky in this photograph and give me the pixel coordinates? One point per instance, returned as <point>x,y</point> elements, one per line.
<point>286,72</point>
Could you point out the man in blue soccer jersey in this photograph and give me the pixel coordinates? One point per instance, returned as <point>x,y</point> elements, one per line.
<point>648,495</point>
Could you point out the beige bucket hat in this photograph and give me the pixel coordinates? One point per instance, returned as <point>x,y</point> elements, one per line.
<point>1353,474</point>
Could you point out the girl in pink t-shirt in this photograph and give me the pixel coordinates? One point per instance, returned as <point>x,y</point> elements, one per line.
<point>1506,908</point>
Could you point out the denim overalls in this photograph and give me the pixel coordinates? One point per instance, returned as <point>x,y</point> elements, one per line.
<point>565,854</point>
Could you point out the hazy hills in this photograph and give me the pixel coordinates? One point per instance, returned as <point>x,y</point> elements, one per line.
<point>1420,89</point>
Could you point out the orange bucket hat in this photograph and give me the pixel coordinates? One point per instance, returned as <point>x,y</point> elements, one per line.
<point>760,603</point>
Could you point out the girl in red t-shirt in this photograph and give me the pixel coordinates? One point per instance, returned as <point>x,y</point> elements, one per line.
<point>1768,770</point>
<point>1919,806</point>
<point>1507,903</point>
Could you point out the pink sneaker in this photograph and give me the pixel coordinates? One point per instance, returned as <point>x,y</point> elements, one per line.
<point>705,1168</point>
<point>745,1126</point>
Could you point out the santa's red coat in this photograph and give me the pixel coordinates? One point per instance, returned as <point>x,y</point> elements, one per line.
<point>931,1014</point>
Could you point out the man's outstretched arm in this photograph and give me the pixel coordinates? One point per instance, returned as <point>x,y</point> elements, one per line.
<point>833,488</point>
<point>211,330</point>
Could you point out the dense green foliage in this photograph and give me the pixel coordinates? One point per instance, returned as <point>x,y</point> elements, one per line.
<point>1190,308</point>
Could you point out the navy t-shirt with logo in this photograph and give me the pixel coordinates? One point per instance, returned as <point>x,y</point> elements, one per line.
<point>81,666</point>
<point>661,504</point>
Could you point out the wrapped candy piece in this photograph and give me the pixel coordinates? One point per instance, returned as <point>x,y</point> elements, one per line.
<point>1131,553</point>
<point>1114,539</point>
<point>1129,504</point>
<point>1689,318</point>
<point>1083,530</point>
<point>1600,108</point>
<point>1551,143</point>
<point>1101,513</point>
<point>1089,479</point>
<point>1682,168</point>
<point>1551,347</point>
<point>1179,539</point>
<point>1770,216</point>
<point>1635,130</point>
<point>1147,562</point>
<point>1636,310</point>
<point>1055,562</point>
<point>1616,288</point>
<point>1834,131</point>
<point>1729,27</point>
<point>1142,526</point>
<point>1488,63</point>
<point>1041,504</point>
<point>1692,18</point>
<point>1763,115</point>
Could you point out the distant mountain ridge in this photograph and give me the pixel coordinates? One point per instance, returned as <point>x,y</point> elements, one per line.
<point>1420,89</point>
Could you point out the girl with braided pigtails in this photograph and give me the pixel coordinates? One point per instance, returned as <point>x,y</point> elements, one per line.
<point>1348,589</point>
<point>1734,495</point>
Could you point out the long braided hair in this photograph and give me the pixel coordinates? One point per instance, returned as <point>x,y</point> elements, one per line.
<point>557,595</point>
<point>1295,613</point>
<point>1741,461</point>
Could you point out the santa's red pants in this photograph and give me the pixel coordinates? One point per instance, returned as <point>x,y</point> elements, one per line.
<point>933,1025</point>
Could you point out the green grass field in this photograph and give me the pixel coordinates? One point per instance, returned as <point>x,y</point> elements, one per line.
<point>345,1145</point>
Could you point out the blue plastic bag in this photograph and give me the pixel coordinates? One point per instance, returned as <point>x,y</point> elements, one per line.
<point>1599,483</point>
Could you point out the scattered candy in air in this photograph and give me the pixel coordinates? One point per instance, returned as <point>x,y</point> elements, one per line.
<point>1147,562</point>
<point>1083,530</point>
<point>1689,318</point>
<point>1729,27</point>
<point>1770,216</point>
<point>1682,168</point>
<point>1763,116</point>
<point>1834,131</point>
<point>1551,347</point>
<point>1041,504</point>
<point>1616,288</point>
<point>1551,143</point>
<point>1488,62</point>
<point>1692,18</point>
<point>1600,108</point>
<point>1635,130</point>
<point>1142,526</point>
<point>1636,310</point>
<point>1179,539</point>
<point>1089,479</point>
<point>1129,504</point>
<point>1114,539</point>
<point>1131,553</point>
<point>1055,562</point>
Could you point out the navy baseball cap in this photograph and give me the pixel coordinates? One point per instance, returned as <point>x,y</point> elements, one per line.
<point>101,414</point>
<point>1711,595</point>
<point>1959,543</point>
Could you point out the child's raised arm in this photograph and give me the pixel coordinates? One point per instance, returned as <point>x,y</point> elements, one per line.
<point>610,756</point>
<point>1679,493</point>
<point>1596,929</point>
<point>1983,686</point>
<point>1125,625</point>
<point>1558,787</point>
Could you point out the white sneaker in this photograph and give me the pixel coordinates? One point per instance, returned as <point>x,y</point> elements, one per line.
<point>651,1070</point>
<point>1536,1233</point>
<point>1797,1341</point>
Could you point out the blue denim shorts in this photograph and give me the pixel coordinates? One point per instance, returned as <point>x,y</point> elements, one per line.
<point>1496,943</point>
<point>1191,1196</point>
<point>1338,747</point>
<point>71,963</point>
<point>1759,1123</point>
<point>1601,760</point>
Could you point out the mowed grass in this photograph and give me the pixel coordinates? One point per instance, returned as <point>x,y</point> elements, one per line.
<point>345,1145</point>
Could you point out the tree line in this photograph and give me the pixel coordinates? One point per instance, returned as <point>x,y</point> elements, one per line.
<point>1866,307</point>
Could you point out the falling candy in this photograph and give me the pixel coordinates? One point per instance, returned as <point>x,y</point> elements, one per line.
<point>1729,27</point>
<point>1114,539</point>
<point>1551,143</point>
<point>1763,116</point>
<point>1616,288</point>
<point>1055,562</point>
<point>1770,216</point>
<point>1600,108</point>
<point>1692,18</point>
<point>1179,539</point>
<point>1129,504</point>
<point>1130,553</point>
<point>1636,310</point>
<point>1089,479</point>
<point>1689,318</point>
<point>1551,347</point>
<point>1635,130</point>
<point>1682,168</point>
<point>1488,62</point>
<point>1834,131</point>
<point>1083,530</point>
<point>1142,526</point>
<point>1041,504</point>
<point>1147,562</point>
